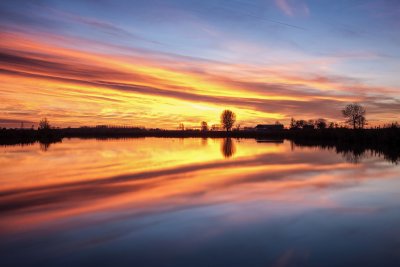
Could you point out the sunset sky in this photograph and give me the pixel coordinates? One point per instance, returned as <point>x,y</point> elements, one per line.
<point>158,63</point>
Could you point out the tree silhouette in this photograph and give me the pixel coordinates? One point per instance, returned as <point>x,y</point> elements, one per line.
<point>292,123</point>
<point>320,123</point>
<point>355,115</point>
<point>300,124</point>
<point>204,126</point>
<point>228,119</point>
<point>44,124</point>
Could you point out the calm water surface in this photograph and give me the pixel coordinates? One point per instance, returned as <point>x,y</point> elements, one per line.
<point>195,202</point>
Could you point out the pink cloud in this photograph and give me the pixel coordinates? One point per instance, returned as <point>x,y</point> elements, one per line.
<point>293,7</point>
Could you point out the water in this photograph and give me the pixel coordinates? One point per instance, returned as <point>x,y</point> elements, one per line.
<point>196,202</point>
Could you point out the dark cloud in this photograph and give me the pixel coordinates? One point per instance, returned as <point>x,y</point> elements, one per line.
<point>70,67</point>
<point>13,121</point>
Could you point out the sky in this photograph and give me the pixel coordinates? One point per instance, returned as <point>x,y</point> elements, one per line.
<point>158,63</point>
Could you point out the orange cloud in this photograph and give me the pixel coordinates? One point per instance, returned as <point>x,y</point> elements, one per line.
<point>73,87</point>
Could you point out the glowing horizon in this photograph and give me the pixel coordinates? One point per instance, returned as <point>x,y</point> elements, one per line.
<point>158,64</point>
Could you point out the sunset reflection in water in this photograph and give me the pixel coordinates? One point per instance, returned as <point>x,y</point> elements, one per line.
<point>195,202</point>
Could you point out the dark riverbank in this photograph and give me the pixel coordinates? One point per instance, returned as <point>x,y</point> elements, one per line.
<point>390,136</point>
<point>385,141</point>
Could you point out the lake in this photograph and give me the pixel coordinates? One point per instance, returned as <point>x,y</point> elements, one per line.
<point>196,202</point>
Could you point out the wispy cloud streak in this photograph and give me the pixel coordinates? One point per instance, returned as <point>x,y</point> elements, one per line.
<point>76,66</point>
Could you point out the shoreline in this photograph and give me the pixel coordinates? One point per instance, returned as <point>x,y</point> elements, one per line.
<point>381,135</point>
<point>385,141</point>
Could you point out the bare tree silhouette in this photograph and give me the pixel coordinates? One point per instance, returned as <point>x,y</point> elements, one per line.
<point>355,115</point>
<point>44,124</point>
<point>228,119</point>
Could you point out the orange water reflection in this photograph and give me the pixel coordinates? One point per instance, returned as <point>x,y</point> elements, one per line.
<point>87,183</point>
<point>152,174</point>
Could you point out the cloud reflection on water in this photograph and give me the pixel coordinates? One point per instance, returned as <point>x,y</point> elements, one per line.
<point>150,187</point>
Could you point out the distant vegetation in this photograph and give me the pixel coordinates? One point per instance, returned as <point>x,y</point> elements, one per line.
<point>318,131</point>
<point>355,115</point>
<point>352,142</point>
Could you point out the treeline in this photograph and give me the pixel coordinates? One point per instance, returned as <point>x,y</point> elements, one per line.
<point>349,142</point>
<point>388,135</point>
<point>13,136</point>
<point>312,124</point>
<point>354,144</point>
<point>29,136</point>
<point>318,130</point>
